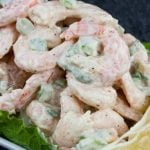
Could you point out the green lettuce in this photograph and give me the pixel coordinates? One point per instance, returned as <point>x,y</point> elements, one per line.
<point>147,46</point>
<point>28,136</point>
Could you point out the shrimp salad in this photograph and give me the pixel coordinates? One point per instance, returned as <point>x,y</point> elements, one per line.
<point>71,78</point>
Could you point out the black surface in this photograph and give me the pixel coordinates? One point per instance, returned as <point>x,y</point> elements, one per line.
<point>2,148</point>
<point>133,15</point>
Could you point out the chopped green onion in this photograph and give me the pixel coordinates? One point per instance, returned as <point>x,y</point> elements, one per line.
<point>88,45</point>
<point>38,44</point>
<point>96,140</point>
<point>69,3</point>
<point>45,93</point>
<point>24,26</point>
<point>53,111</point>
<point>60,83</point>
<point>140,76</point>
<point>79,74</point>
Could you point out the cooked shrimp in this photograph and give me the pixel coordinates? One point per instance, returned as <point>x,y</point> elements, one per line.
<point>82,28</point>
<point>8,36</point>
<point>15,9</point>
<point>138,53</point>
<point>4,78</point>
<point>129,39</point>
<point>69,103</point>
<point>43,14</point>
<point>101,97</point>
<point>43,115</point>
<point>136,98</point>
<point>52,36</point>
<point>33,61</point>
<point>91,139</point>
<point>137,50</point>
<point>126,111</point>
<point>112,47</point>
<point>18,98</point>
<point>70,127</point>
<point>108,118</point>
<point>67,132</point>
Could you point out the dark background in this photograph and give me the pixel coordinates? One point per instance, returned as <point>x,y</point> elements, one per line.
<point>133,15</point>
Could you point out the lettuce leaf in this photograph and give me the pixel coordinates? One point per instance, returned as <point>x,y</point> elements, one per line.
<point>28,136</point>
<point>147,46</point>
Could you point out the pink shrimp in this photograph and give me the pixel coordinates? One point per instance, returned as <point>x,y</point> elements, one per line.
<point>100,98</point>
<point>34,61</point>
<point>43,14</point>
<point>8,36</point>
<point>126,111</point>
<point>70,127</point>
<point>15,9</point>
<point>112,47</point>
<point>18,98</point>
<point>136,98</point>
<point>129,39</point>
<point>69,103</point>
<point>42,115</point>
<point>108,118</point>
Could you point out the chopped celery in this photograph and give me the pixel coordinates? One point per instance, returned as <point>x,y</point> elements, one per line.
<point>45,93</point>
<point>53,111</point>
<point>69,3</point>
<point>79,74</point>
<point>88,45</point>
<point>24,26</point>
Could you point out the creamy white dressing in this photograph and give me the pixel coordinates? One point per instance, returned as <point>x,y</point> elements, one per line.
<point>78,56</point>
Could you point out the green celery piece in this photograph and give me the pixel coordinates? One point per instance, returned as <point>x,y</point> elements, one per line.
<point>60,83</point>
<point>88,45</point>
<point>45,93</point>
<point>38,44</point>
<point>24,26</point>
<point>79,74</point>
<point>69,3</point>
<point>93,141</point>
<point>54,112</point>
<point>27,136</point>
